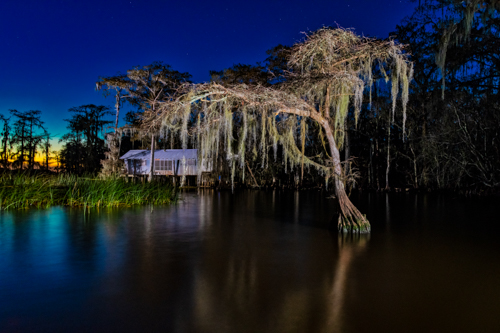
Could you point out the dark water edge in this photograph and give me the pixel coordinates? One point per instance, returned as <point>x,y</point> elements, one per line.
<point>254,261</point>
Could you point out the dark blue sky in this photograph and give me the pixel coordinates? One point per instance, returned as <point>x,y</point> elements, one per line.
<point>53,51</point>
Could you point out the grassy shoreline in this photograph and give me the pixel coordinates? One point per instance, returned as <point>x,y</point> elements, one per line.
<point>23,191</point>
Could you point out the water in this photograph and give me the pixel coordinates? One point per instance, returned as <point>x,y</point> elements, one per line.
<point>254,261</point>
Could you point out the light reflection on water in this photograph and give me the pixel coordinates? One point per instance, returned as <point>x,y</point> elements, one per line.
<point>251,262</point>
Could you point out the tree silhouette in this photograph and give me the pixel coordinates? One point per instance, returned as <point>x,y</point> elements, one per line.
<point>84,148</point>
<point>26,137</point>
<point>4,155</point>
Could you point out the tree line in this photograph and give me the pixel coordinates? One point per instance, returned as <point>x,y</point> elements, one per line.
<point>24,136</point>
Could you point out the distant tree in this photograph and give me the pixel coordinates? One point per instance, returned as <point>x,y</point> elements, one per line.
<point>239,73</point>
<point>84,148</point>
<point>71,154</point>
<point>34,138</point>
<point>133,118</point>
<point>46,148</point>
<point>271,72</point>
<point>57,157</point>
<point>19,139</point>
<point>131,136</point>
<point>4,155</point>
<point>277,63</point>
<point>26,136</point>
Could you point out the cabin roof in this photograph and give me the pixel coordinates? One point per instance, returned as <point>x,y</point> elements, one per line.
<point>162,154</point>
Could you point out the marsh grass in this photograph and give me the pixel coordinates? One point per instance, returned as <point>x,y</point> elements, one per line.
<point>23,190</point>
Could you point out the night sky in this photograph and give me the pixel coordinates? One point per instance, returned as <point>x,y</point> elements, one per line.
<point>52,52</point>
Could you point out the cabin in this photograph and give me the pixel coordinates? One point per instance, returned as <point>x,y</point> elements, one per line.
<point>168,162</point>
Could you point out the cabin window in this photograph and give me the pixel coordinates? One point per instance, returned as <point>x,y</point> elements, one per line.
<point>163,165</point>
<point>191,161</point>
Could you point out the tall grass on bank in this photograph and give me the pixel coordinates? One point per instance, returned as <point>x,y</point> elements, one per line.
<point>21,191</point>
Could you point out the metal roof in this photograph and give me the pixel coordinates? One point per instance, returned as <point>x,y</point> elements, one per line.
<point>162,154</point>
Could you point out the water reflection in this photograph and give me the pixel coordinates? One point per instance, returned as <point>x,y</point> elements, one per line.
<point>250,262</point>
<point>249,281</point>
<point>350,246</point>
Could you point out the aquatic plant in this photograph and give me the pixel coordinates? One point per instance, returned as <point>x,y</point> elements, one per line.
<point>22,191</point>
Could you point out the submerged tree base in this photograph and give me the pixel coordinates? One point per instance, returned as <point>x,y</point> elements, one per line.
<point>350,218</point>
<point>354,225</point>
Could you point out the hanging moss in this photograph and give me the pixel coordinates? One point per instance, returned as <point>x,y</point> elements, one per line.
<point>406,79</point>
<point>185,119</point>
<point>243,138</point>
<point>341,115</point>
<point>263,139</point>
<point>441,56</point>
<point>275,137</point>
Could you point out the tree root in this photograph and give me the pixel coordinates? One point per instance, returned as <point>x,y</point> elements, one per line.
<point>349,224</point>
<point>350,218</point>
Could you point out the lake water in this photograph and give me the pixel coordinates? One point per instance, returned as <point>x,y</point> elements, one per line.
<point>254,261</point>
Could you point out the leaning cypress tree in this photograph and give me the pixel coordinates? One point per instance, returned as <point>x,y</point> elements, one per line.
<point>328,73</point>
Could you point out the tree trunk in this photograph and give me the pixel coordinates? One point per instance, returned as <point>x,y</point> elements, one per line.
<point>414,166</point>
<point>47,153</point>
<point>327,103</point>
<point>376,165</point>
<point>152,166</point>
<point>251,173</point>
<point>350,218</point>
<point>30,146</point>
<point>303,141</point>
<point>117,107</point>
<point>388,157</point>
<point>423,150</point>
<point>347,151</point>
<point>22,148</point>
<point>370,166</point>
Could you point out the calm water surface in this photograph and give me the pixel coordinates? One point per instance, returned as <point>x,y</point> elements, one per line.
<point>254,261</point>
